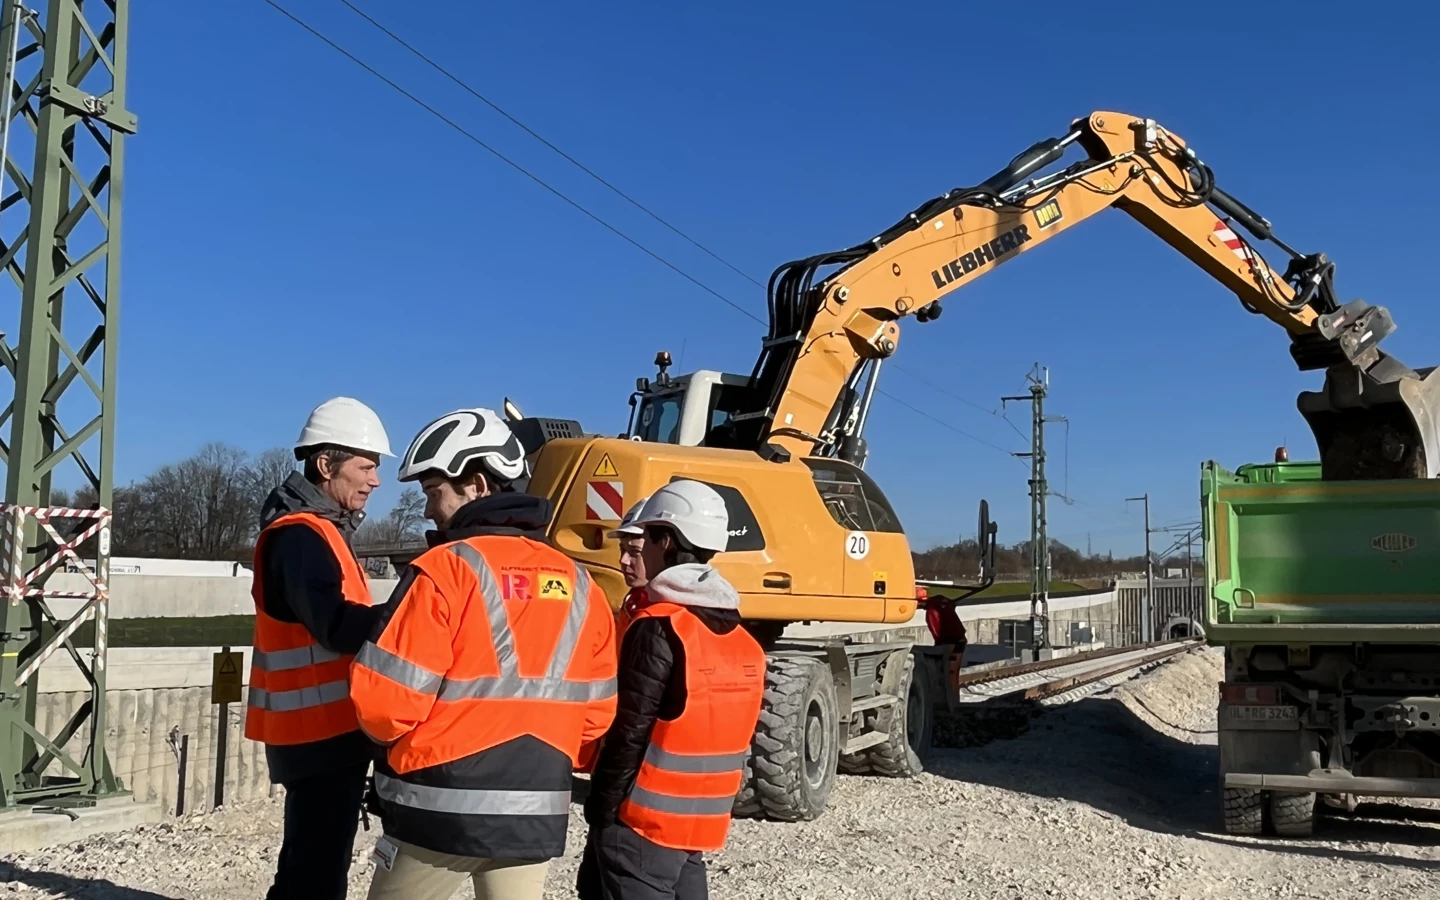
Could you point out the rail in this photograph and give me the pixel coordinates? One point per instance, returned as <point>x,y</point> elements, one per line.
<point>1048,678</point>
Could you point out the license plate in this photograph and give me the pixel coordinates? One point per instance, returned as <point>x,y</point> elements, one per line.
<point>1261,713</point>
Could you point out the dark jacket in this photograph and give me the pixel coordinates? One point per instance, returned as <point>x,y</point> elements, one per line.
<point>525,763</point>
<point>651,686</point>
<point>518,514</point>
<point>301,579</point>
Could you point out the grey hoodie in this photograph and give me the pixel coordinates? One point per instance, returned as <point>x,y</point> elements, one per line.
<point>295,494</point>
<point>693,584</point>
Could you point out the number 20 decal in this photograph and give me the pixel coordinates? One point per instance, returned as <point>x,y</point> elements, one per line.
<point>857,545</point>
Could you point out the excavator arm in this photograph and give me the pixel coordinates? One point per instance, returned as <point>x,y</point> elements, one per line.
<point>1373,419</point>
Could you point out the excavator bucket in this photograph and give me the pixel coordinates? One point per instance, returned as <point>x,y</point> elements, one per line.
<point>1380,423</point>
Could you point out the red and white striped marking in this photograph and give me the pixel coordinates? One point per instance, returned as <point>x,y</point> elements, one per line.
<point>1231,240</point>
<point>604,500</point>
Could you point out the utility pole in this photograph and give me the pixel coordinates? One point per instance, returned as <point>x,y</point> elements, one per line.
<point>1189,570</point>
<point>1146,608</point>
<point>1039,379</point>
<point>65,122</point>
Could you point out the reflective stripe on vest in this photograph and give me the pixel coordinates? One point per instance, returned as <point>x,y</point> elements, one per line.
<point>280,660</point>
<point>509,684</point>
<point>300,691</point>
<point>685,790</point>
<point>462,801</point>
<point>303,698</point>
<point>689,764</point>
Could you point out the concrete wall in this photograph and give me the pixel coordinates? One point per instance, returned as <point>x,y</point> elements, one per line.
<point>155,691</point>
<point>138,727</point>
<point>167,596</point>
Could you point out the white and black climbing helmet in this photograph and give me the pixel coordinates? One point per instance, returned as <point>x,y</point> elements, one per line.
<point>452,443</point>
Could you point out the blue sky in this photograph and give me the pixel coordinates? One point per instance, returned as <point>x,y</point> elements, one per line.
<point>296,230</point>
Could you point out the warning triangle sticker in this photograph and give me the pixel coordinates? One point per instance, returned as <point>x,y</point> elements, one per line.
<point>227,665</point>
<point>606,469</point>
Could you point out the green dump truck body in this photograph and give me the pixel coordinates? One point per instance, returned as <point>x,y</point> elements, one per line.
<point>1296,560</point>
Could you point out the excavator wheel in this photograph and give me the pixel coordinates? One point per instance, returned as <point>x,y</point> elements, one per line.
<point>747,800</point>
<point>909,723</point>
<point>797,741</point>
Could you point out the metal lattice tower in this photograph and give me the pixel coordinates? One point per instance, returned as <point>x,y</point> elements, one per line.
<point>1039,380</point>
<point>65,128</point>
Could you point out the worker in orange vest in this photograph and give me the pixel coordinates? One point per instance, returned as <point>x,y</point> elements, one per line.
<point>494,666</point>
<point>691,683</point>
<point>632,566</point>
<point>312,613</point>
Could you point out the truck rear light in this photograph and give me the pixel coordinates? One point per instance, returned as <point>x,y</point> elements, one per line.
<point>1250,694</point>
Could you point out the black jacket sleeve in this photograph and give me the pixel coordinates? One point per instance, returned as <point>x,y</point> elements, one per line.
<point>650,687</point>
<point>302,584</point>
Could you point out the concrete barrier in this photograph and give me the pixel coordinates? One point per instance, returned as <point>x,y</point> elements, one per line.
<point>168,596</point>
<point>157,692</point>
<point>139,726</point>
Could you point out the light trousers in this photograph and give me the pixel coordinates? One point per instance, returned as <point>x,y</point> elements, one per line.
<point>420,874</point>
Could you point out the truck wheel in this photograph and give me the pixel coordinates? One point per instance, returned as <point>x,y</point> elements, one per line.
<point>910,724</point>
<point>1244,811</point>
<point>1293,815</point>
<point>855,763</point>
<point>797,741</point>
<point>747,799</point>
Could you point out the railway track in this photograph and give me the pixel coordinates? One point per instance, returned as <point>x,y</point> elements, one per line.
<point>1052,678</point>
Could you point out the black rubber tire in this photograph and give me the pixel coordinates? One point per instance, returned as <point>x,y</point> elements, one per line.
<point>854,763</point>
<point>747,800</point>
<point>1244,811</point>
<point>797,741</point>
<point>911,725</point>
<point>1292,815</point>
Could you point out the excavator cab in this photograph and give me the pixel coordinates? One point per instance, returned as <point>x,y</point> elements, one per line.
<point>694,410</point>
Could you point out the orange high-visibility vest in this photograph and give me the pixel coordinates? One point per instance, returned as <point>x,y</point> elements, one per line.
<point>635,600</point>
<point>505,637</point>
<point>692,770</point>
<point>299,691</point>
<point>495,668</point>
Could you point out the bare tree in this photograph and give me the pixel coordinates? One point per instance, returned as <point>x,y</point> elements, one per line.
<point>271,468</point>
<point>404,522</point>
<point>203,507</point>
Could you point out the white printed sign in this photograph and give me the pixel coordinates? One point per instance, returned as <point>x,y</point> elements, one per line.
<point>857,545</point>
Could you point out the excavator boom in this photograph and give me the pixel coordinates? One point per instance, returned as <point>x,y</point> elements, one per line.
<point>1372,419</point>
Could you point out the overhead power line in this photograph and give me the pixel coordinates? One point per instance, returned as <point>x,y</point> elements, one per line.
<point>513,164</point>
<point>530,131</point>
<point>941,422</point>
<point>472,91</point>
<point>316,33</point>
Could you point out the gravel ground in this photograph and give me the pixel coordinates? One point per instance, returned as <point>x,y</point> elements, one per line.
<point>1110,796</point>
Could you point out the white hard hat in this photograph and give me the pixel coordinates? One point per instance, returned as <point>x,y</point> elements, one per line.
<point>628,528</point>
<point>693,509</point>
<point>455,440</point>
<point>344,422</point>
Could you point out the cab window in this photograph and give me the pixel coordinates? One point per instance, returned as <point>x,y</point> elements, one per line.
<point>853,498</point>
<point>659,418</point>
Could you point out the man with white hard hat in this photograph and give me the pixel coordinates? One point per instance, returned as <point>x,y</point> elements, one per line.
<point>691,682</point>
<point>313,611</point>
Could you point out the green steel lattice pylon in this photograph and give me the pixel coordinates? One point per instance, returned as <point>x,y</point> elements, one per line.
<point>60,244</point>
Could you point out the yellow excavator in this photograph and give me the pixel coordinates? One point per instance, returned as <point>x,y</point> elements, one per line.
<point>813,538</point>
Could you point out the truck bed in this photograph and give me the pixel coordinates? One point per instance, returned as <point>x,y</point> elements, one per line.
<point>1293,559</point>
